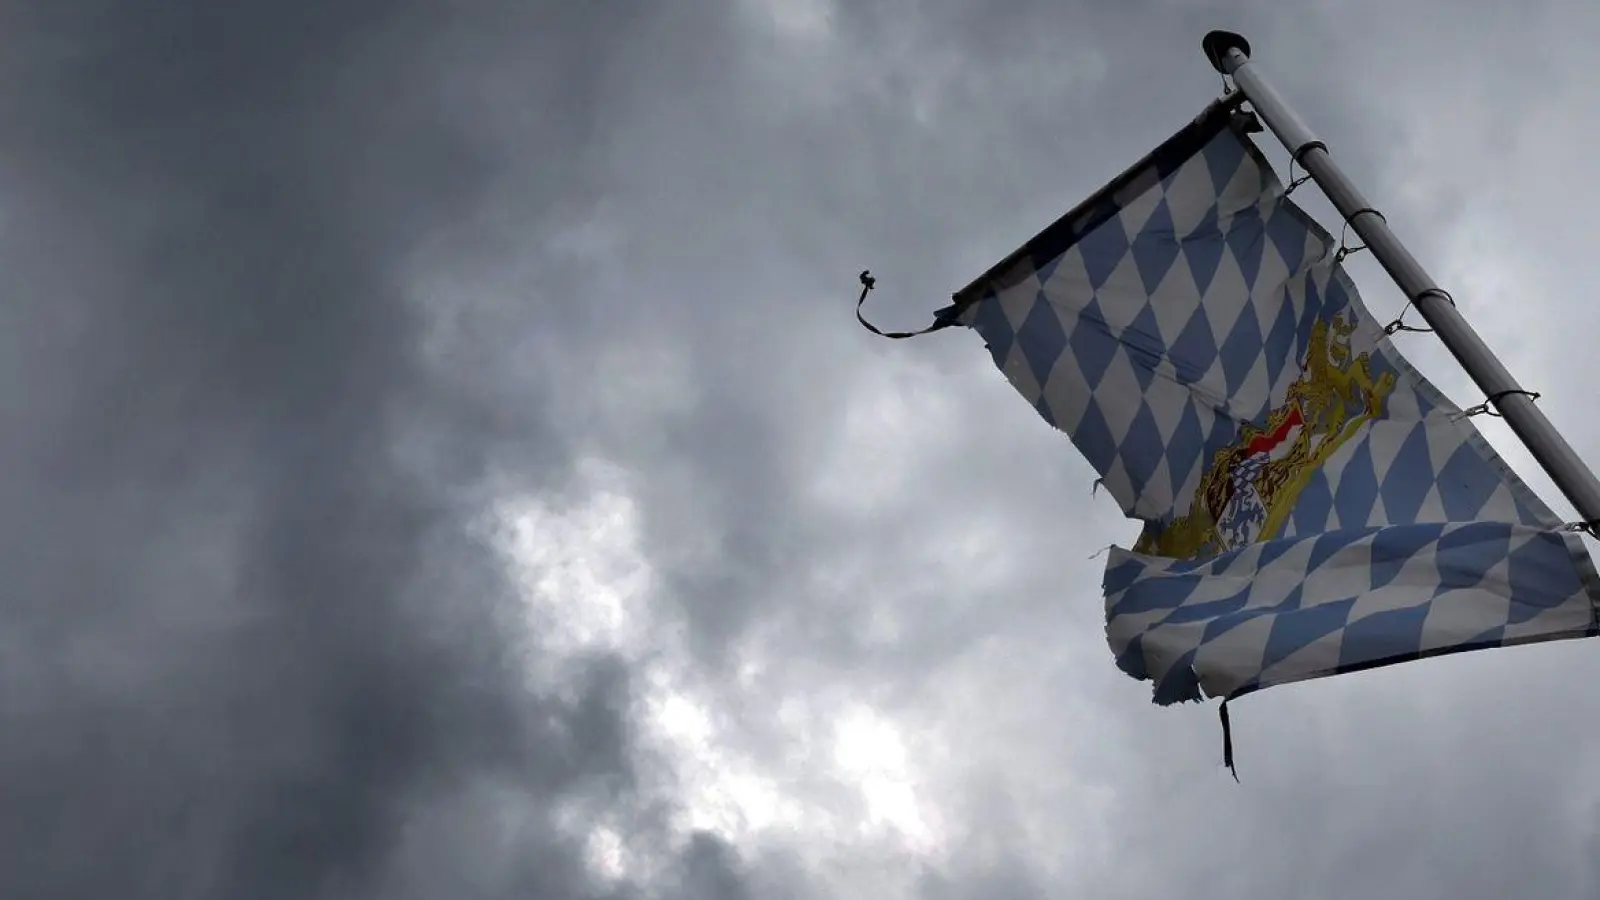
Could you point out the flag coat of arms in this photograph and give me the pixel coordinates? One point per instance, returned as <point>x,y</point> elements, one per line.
<point>1311,504</point>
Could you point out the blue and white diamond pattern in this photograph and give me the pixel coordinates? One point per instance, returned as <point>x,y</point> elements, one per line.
<point>1155,336</point>
<point>1165,319</point>
<point>1308,607</point>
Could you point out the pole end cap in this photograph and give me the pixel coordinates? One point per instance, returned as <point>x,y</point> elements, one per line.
<point>1216,45</point>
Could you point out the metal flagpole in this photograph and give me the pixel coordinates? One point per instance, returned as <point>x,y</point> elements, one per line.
<point>1230,54</point>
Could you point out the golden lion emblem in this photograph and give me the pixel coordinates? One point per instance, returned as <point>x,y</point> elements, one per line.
<point>1250,486</point>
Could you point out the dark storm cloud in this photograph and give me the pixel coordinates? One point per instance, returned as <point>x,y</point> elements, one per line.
<point>251,648</point>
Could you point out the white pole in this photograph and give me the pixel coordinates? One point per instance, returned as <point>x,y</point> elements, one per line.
<point>1230,54</point>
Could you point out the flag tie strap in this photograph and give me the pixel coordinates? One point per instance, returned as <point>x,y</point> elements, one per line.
<point>1490,404</point>
<point>1344,234</point>
<point>1227,741</point>
<point>1294,162</point>
<point>1399,324</point>
<point>944,318</point>
<point>1345,249</point>
<point>1294,182</point>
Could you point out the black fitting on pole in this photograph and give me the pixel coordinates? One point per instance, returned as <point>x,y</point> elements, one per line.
<point>1216,45</point>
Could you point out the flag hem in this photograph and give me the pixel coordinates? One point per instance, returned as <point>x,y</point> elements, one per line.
<point>1061,235</point>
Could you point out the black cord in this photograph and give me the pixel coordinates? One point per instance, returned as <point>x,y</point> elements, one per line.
<point>1489,407</point>
<point>943,319</point>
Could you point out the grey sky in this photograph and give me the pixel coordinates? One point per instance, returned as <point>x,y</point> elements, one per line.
<point>440,460</point>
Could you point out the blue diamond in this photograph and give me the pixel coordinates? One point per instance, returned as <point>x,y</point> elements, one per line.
<point>1466,482</point>
<point>1288,233</point>
<point>1224,155</point>
<point>1296,629</point>
<point>1103,249</point>
<point>1241,350</point>
<point>1389,636</point>
<point>1246,242</point>
<point>1357,493</point>
<point>1394,546</point>
<point>1409,478</point>
<point>1195,351</point>
<point>991,324</point>
<point>1042,339</point>
<point>1143,449</point>
<point>1145,348</point>
<point>1465,554</point>
<point>1155,248</point>
<point>1093,346</point>
<point>1279,346</point>
<point>1093,438</point>
<point>1311,508</point>
<point>1542,577</point>
<point>1187,444</point>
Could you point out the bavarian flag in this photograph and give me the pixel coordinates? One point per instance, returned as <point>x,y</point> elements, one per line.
<point>1311,504</point>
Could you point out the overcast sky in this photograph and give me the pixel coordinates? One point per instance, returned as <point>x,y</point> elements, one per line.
<point>439,460</point>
